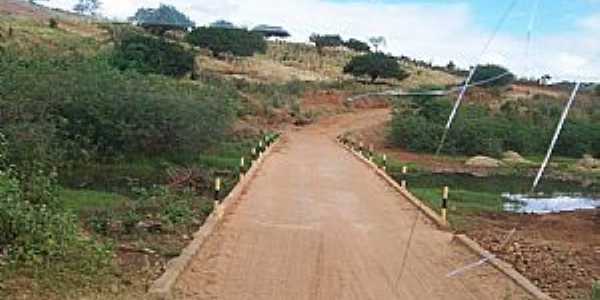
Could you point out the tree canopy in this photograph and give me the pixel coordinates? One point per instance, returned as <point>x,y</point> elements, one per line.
<point>322,41</point>
<point>271,31</point>
<point>375,65</point>
<point>147,54</point>
<point>163,15</point>
<point>357,45</point>
<point>239,42</point>
<point>493,76</point>
<point>87,6</point>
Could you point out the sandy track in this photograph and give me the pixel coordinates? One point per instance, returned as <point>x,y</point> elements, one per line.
<point>318,224</point>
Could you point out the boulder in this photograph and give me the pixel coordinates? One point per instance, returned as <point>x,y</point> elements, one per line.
<point>484,162</point>
<point>588,162</point>
<point>513,157</point>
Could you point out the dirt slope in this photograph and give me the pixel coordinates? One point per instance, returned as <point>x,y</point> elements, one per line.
<point>318,224</point>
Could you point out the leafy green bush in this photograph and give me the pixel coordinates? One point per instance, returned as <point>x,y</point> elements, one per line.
<point>147,54</point>
<point>357,45</point>
<point>164,15</point>
<point>375,65</point>
<point>419,123</point>
<point>38,235</point>
<point>596,291</point>
<point>496,76</point>
<point>323,41</point>
<point>83,109</point>
<point>239,42</point>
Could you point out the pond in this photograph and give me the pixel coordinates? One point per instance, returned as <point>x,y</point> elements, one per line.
<point>512,192</point>
<point>543,204</point>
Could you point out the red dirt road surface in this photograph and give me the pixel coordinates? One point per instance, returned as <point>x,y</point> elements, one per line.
<point>318,224</point>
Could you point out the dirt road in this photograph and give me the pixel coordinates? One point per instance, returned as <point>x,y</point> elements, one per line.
<point>318,224</point>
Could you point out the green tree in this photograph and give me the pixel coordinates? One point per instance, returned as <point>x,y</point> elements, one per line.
<point>357,45</point>
<point>375,65</point>
<point>493,76</point>
<point>163,15</point>
<point>324,41</point>
<point>378,41</point>
<point>90,7</point>
<point>239,42</point>
<point>147,54</point>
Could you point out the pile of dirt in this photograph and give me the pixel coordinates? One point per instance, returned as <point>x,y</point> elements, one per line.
<point>484,162</point>
<point>512,157</point>
<point>560,253</point>
<point>588,162</point>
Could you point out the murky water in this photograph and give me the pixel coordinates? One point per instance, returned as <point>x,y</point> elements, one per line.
<point>556,196</point>
<point>549,204</point>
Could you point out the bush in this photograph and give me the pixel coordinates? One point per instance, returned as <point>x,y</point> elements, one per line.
<point>596,291</point>
<point>323,41</point>
<point>163,15</point>
<point>375,65</point>
<point>497,76</point>
<point>53,23</point>
<point>39,235</point>
<point>357,45</point>
<point>86,110</point>
<point>147,54</point>
<point>418,126</point>
<point>239,42</point>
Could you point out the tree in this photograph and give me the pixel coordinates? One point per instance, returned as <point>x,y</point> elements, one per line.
<point>163,15</point>
<point>357,45</point>
<point>223,24</point>
<point>378,41</point>
<point>493,76</point>
<point>323,41</point>
<point>544,80</point>
<point>451,66</point>
<point>375,65</point>
<point>147,54</point>
<point>89,7</point>
<point>271,31</point>
<point>239,42</point>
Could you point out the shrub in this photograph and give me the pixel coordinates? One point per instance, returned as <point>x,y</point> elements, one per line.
<point>497,76</point>
<point>164,15</point>
<point>357,45</point>
<point>147,54</point>
<point>323,41</point>
<point>85,109</point>
<point>596,291</point>
<point>53,23</point>
<point>239,42</point>
<point>39,235</point>
<point>375,65</point>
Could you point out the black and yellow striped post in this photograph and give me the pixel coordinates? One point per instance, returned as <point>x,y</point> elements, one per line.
<point>445,193</point>
<point>404,173</point>
<point>384,158</point>
<point>361,147</point>
<point>254,154</point>
<point>242,166</point>
<point>217,192</point>
<point>261,148</point>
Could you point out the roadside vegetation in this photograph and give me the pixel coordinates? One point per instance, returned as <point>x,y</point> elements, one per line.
<point>524,126</point>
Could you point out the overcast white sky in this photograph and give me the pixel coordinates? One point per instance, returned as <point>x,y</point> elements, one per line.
<point>566,40</point>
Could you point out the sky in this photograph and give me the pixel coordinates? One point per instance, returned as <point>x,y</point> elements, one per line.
<point>565,34</point>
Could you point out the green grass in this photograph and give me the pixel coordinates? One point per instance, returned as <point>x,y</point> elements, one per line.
<point>80,200</point>
<point>596,291</point>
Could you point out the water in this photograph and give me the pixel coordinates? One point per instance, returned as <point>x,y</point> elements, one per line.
<point>549,204</point>
<point>512,191</point>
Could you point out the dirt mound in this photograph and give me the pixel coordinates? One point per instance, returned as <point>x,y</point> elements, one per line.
<point>558,252</point>
<point>513,157</point>
<point>483,162</point>
<point>588,162</point>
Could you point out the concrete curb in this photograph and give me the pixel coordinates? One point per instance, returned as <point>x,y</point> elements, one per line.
<point>162,288</point>
<point>500,265</point>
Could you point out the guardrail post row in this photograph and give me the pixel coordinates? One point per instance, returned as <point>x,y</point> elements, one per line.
<point>384,158</point>
<point>404,173</point>
<point>445,193</point>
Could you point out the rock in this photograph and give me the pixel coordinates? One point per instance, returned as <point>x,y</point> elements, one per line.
<point>588,162</point>
<point>149,225</point>
<point>513,157</point>
<point>484,162</point>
